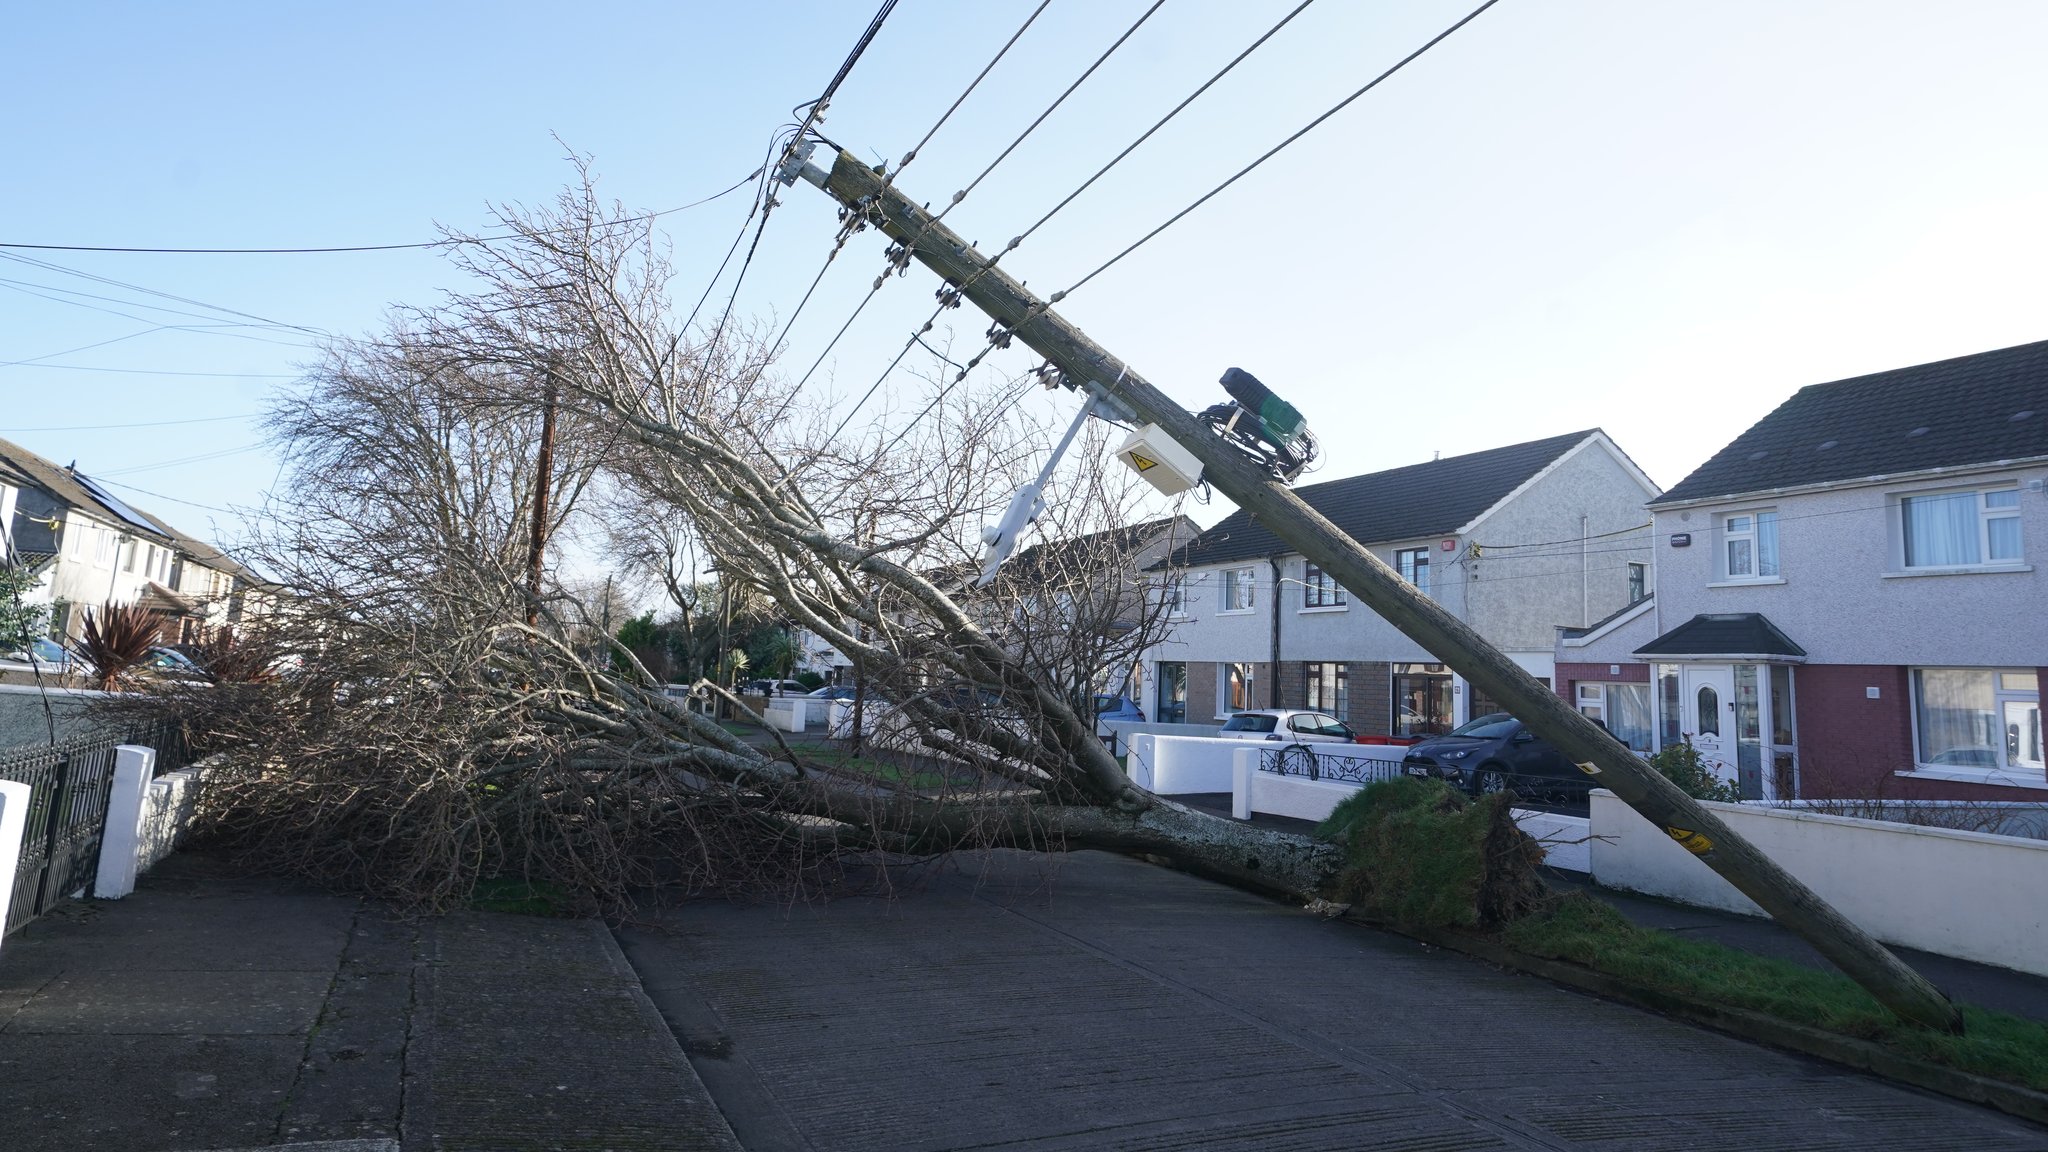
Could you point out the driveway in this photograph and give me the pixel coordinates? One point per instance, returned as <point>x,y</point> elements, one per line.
<point>1097,1002</point>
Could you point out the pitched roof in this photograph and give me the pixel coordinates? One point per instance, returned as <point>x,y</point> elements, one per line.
<point>1724,634</point>
<point>1979,409</point>
<point>1432,499</point>
<point>68,486</point>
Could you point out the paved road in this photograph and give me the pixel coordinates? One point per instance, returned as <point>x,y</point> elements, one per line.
<point>1108,1004</point>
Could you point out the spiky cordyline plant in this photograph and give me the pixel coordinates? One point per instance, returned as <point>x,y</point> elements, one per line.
<point>117,638</point>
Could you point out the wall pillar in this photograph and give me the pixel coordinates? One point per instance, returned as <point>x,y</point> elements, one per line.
<point>121,843</point>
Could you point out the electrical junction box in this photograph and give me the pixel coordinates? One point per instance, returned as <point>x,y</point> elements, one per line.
<point>1164,464</point>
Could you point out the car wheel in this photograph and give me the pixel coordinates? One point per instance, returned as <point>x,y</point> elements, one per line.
<point>1488,780</point>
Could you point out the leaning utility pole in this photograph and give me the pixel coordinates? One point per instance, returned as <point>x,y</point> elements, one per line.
<point>1612,765</point>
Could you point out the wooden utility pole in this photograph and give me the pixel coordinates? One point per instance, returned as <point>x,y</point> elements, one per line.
<point>543,469</point>
<point>1610,763</point>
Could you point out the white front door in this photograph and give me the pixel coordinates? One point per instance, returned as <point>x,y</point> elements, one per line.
<point>1706,706</point>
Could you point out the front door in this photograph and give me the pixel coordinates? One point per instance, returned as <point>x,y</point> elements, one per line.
<point>1173,692</point>
<point>1706,707</point>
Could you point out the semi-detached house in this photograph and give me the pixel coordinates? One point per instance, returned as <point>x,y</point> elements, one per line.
<point>1850,598</point>
<point>1515,541</point>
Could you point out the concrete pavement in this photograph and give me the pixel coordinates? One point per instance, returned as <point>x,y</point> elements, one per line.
<point>211,1011</point>
<point>1096,1002</point>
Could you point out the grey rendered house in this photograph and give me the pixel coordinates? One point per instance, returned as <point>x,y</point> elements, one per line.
<point>88,547</point>
<point>1516,541</point>
<point>1847,596</point>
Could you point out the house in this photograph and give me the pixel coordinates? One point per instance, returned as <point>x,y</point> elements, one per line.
<point>89,547</point>
<point>1513,540</point>
<point>1846,597</point>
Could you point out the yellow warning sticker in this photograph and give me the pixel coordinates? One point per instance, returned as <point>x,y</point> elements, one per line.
<point>1143,463</point>
<point>1589,768</point>
<point>1693,842</point>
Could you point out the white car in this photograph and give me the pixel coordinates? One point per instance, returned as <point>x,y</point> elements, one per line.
<point>1292,725</point>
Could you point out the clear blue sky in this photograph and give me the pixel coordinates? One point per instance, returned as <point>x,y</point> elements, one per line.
<point>1655,218</point>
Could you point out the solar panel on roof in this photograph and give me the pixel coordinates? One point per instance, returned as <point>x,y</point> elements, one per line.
<point>113,504</point>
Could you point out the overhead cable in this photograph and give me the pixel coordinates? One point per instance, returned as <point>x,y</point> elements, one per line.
<point>1277,148</point>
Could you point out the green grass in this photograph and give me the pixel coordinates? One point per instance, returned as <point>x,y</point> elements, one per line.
<point>520,896</point>
<point>1583,930</point>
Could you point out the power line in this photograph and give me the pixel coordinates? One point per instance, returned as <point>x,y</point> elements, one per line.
<point>846,233</point>
<point>172,499</point>
<point>765,199</point>
<point>36,262</point>
<point>910,245</point>
<point>300,251</point>
<point>204,456</point>
<point>144,424</point>
<point>167,372</point>
<point>1276,149</point>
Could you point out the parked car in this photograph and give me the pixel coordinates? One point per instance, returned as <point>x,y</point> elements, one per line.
<point>837,692</point>
<point>48,655</point>
<point>774,688</point>
<point>1117,708</point>
<point>1495,753</point>
<point>1294,725</point>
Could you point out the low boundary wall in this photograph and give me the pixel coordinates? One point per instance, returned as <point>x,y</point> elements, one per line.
<point>1970,895</point>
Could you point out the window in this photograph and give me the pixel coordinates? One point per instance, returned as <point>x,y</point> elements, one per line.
<point>1749,546</point>
<point>1979,718</point>
<point>1173,692</point>
<point>1623,708</point>
<point>1240,586</point>
<point>1173,596</point>
<point>1960,529</point>
<point>1422,700</point>
<point>128,550</point>
<point>1413,565</point>
<point>1670,721</point>
<point>1329,689</point>
<point>104,545</point>
<point>1709,712</point>
<point>1234,689</point>
<point>1320,590</point>
<point>1638,584</point>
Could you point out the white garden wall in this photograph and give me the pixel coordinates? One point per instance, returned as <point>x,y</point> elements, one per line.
<point>1964,894</point>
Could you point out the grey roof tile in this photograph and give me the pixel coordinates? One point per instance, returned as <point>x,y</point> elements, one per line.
<point>1978,409</point>
<point>1420,500</point>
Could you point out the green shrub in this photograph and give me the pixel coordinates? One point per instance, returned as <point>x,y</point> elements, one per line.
<point>1422,857</point>
<point>809,679</point>
<point>1680,764</point>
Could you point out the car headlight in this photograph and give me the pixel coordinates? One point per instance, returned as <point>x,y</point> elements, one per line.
<point>1453,755</point>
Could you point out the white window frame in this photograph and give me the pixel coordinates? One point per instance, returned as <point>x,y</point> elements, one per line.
<point>1986,515</point>
<point>1243,580</point>
<point>106,548</point>
<point>1593,704</point>
<point>1320,591</point>
<point>1332,692</point>
<point>1173,597</point>
<point>2005,773</point>
<point>1752,532</point>
<point>1250,677</point>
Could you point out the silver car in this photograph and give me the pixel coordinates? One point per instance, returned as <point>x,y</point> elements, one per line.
<point>1292,725</point>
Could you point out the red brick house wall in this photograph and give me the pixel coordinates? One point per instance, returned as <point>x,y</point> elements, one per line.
<point>1853,746</point>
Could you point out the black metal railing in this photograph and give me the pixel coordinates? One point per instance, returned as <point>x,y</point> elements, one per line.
<point>1309,763</point>
<point>70,785</point>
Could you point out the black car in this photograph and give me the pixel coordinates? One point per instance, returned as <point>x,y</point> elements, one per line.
<point>1495,753</point>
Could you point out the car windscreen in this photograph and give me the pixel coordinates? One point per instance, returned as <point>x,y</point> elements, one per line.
<point>1249,722</point>
<point>1487,727</point>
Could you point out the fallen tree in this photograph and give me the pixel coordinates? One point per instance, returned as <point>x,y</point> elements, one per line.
<point>429,737</point>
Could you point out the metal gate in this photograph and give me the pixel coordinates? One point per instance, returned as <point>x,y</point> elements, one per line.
<point>67,817</point>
